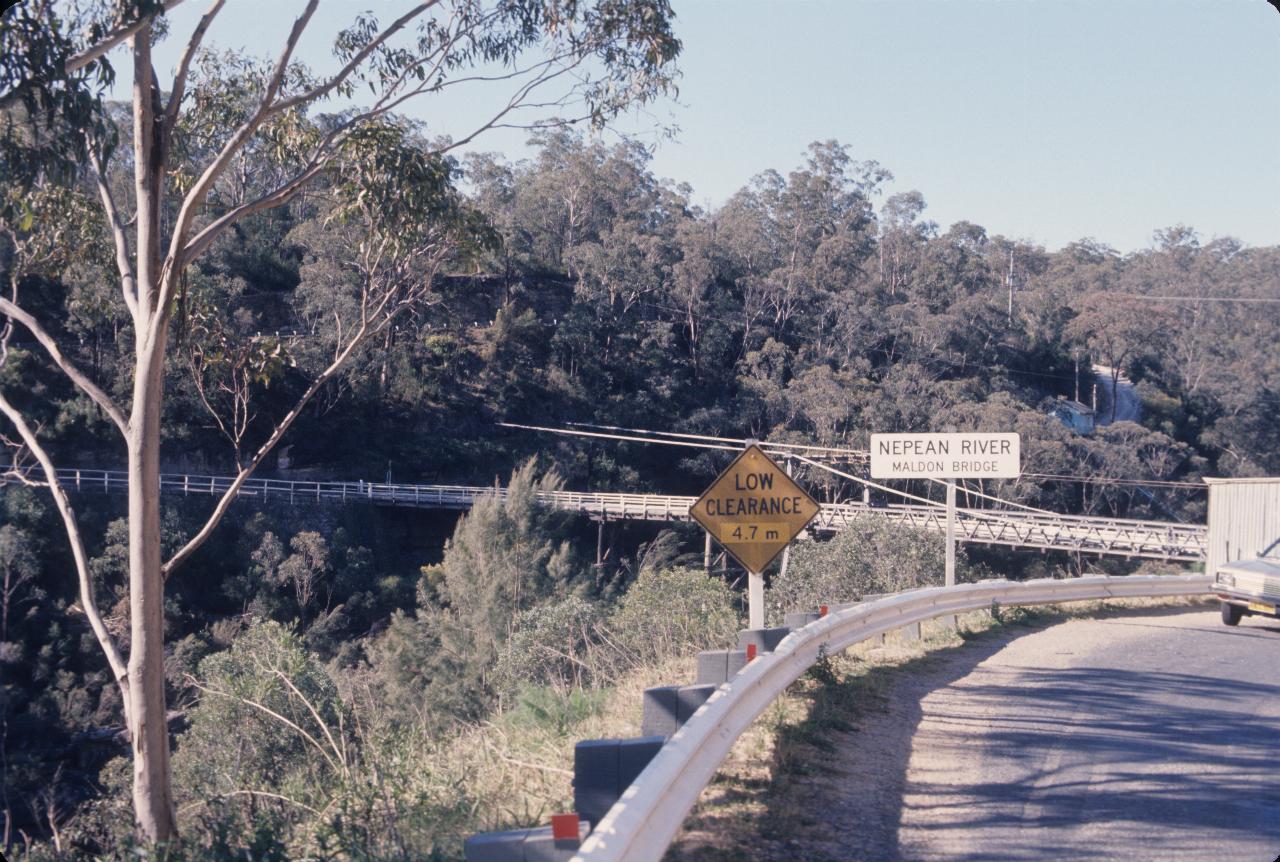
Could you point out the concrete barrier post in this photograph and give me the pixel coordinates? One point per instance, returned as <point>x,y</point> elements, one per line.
<point>800,620</point>
<point>690,698</point>
<point>659,711</point>
<point>603,768</point>
<point>765,640</point>
<point>595,777</point>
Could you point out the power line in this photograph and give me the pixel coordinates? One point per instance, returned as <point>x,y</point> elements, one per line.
<point>730,444</point>
<point>1160,298</point>
<point>575,433</point>
<point>1104,480</point>
<point>857,453</point>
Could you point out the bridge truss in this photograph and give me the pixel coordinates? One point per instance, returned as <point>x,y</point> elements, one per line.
<point>1013,528</point>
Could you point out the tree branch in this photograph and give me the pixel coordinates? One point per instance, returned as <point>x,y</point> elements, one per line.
<point>325,150</point>
<point>230,495</point>
<point>77,376</point>
<point>263,793</point>
<point>282,62</point>
<point>76,62</point>
<point>200,190</point>
<point>271,712</point>
<point>179,246</point>
<point>108,644</point>
<point>274,198</point>
<point>383,312</point>
<point>339,753</point>
<point>179,89</point>
<point>345,72</point>
<point>128,281</point>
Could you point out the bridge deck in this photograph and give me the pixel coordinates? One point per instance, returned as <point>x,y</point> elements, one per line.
<point>1013,528</point>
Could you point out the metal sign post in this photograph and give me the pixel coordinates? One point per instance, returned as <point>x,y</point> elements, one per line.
<point>951,534</point>
<point>755,600</point>
<point>754,510</point>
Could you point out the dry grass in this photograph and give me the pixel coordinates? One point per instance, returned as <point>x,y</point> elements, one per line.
<point>517,769</point>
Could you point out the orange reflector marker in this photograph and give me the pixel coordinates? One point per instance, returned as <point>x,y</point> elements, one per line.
<point>822,610</point>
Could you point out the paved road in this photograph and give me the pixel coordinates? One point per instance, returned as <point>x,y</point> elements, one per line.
<point>1128,404</point>
<point>1151,735</point>
<point>1139,737</point>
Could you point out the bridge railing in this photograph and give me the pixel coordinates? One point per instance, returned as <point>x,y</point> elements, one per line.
<point>1015,528</point>
<point>640,826</point>
<point>1156,539</point>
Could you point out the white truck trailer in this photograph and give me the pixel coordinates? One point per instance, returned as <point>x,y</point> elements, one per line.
<point>1244,546</point>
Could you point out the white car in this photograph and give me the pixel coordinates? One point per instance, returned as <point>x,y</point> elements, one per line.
<point>1250,587</point>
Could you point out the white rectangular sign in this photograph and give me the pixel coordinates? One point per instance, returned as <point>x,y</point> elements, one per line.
<point>946,456</point>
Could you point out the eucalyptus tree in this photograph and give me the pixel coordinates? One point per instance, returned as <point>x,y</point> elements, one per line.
<point>527,59</point>
<point>18,567</point>
<point>798,242</point>
<point>1117,329</point>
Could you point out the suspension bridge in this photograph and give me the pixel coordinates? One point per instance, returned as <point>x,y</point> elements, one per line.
<point>1007,527</point>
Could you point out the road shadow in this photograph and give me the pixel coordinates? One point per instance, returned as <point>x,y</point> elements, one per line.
<point>1139,721</point>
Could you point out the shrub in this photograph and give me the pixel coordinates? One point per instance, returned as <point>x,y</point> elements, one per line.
<point>507,557</point>
<point>871,556</point>
<point>555,645</point>
<point>266,737</point>
<point>671,613</point>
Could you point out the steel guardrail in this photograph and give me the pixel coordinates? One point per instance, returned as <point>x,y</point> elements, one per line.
<point>640,826</point>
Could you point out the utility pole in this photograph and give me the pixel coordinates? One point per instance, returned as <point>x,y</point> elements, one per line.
<point>1009,283</point>
<point>1076,354</point>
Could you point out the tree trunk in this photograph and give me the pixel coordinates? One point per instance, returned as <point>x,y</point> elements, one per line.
<point>152,794</point>
<point>149,730</point>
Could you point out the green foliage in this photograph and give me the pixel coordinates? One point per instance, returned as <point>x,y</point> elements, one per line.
<point>555,645</point>
<point>46,110</point>
<point>672,612</point>
<point>872,556</point>
<point>553,708</point>
<point>305,567</point>
<point>18,568</point>
<point>803,309</point>
<point>506,557</point>
<point>290,744</point>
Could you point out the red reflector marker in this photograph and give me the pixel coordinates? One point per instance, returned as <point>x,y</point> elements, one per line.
<point>564,827</point>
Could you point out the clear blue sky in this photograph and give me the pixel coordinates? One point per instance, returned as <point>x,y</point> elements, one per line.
<point>1044,120</point>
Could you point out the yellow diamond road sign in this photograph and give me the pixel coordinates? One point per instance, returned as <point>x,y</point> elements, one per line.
<point>754,509</point>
